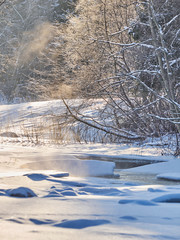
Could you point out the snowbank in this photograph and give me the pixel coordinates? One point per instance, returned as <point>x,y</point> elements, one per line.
<point>21,192</point>
<point>160,168</point>
<point>175,176</point>
<point>168,198</point>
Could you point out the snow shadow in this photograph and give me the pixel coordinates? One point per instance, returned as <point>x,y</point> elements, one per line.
<point>55,192</point>
<point>168,198</point>
<point>102,191</point>
<point>74,224</point>
<point>41,177</point>
<point>68,183</point>
<point>64,191</point>
<point>81,223</point>
<point>128,218</point>
<point>154,190</point>
<point>41,222</point>
<point>37,176</point>
<point>15,221</point>
<point>20,192</point>
<point>138,202</point>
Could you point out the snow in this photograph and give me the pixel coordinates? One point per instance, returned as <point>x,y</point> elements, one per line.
<point>170,198</point>
<point>21,192</point>
<point>173,176</point>
<point>38,175</point>
<point>81,223</point>
<point>71,191</point>
<point>160,168</point>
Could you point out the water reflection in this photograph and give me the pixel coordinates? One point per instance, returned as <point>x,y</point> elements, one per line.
<point>140,178</point>
<point>126,176</point>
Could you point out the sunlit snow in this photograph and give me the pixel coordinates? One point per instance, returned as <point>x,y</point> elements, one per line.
<point>73,191</point>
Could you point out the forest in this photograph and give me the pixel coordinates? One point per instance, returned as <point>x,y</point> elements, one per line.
<point>123,53</point>
<point>90,119</point>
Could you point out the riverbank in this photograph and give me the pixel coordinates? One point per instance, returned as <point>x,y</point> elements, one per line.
<point>48,204</point>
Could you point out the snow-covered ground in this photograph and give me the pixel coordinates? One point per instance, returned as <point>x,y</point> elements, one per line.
<point>49,192</point>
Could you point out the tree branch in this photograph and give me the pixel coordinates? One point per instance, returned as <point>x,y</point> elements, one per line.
<point>131,138</point>
<point>2,2</point>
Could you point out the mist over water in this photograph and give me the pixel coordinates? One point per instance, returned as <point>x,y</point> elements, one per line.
<point>28,30</point>
<point>35,41</point>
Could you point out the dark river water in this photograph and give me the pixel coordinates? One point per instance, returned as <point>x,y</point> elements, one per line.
<point>122,166</point>
<point>140,178</point>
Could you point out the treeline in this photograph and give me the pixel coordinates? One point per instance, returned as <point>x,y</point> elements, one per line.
<point>30,45</point>
<point>124,52</point>
<point>127,53</point>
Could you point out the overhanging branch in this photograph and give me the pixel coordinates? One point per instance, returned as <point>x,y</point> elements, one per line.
<point>131,138</point>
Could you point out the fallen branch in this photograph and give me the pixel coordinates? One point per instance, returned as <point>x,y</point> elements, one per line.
<point>131,138</point>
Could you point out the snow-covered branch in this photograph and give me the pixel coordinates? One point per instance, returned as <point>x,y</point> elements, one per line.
<point>1,2</point>
<point>171,21</point>
<point>94,124</point>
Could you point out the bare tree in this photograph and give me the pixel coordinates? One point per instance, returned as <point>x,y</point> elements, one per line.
<point>127,53</point>
<point>29,42</point>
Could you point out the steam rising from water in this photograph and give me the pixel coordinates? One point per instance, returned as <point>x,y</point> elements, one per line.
<point>35,41</point>
<point>65,91</point>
